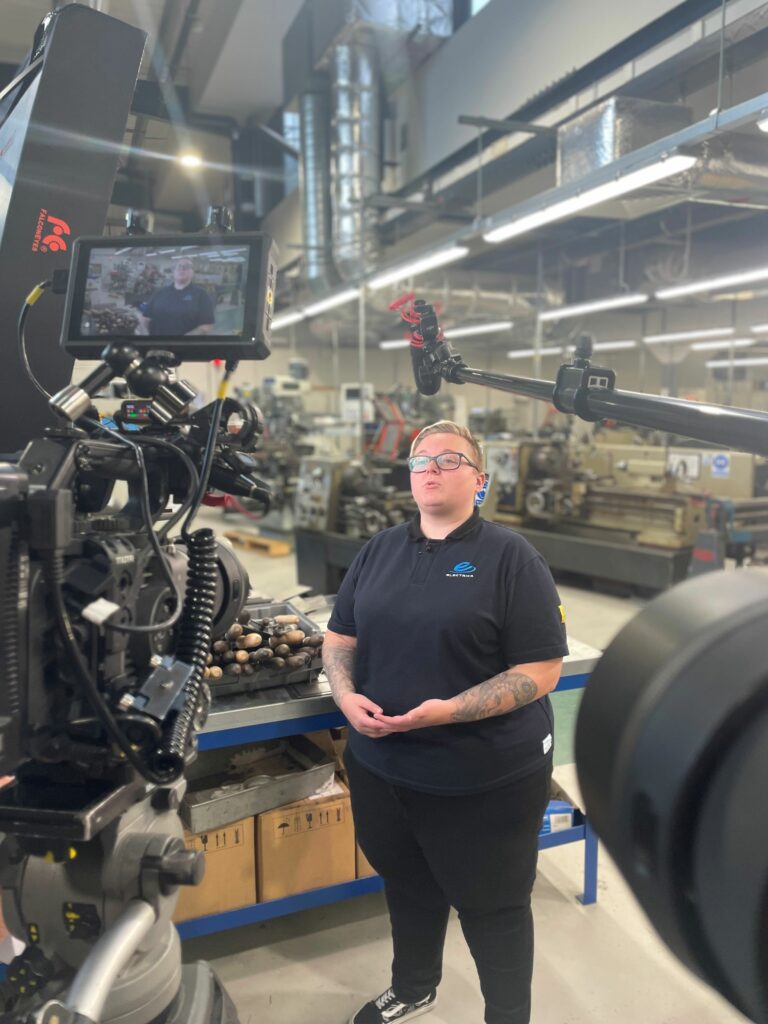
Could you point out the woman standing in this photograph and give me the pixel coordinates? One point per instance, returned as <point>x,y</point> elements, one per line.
<point>446,638</point>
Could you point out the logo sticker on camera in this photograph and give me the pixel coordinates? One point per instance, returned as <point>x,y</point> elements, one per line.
<point>50,233</point>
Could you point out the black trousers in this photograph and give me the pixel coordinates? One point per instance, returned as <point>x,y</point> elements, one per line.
<point>476,853</point>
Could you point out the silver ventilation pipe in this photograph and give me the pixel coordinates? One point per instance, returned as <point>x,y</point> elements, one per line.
<point>315,183</point>
<point>356,152</point>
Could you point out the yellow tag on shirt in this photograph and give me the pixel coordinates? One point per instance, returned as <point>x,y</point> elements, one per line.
<point>562,612</point>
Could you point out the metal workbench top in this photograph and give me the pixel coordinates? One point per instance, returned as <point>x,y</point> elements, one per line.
<point>306,700</point>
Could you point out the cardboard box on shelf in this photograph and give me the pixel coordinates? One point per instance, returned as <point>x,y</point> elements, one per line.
<point>363,867</point>
<point>306,845</point>
<point>333,742</point>
<point>230,871</point>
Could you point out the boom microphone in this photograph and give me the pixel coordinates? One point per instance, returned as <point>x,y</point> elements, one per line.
<point>427,378</point>
<point>424,336</point>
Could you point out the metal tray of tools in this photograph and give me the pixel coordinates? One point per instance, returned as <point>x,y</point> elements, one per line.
<point>238,782</point>
<point>265,678</point>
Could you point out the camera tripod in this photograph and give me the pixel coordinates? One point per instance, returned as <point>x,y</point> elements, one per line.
<point>92,889</point>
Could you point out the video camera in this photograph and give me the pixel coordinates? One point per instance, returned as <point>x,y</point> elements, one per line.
<point>106,621</point>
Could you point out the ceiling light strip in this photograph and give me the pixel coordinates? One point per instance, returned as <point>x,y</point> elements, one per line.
<point>708,332</point>
<point>527,353</point>
<point>417,266</point>
<point>712,284</point>
<point>716,346</point>
<point>563,208</point>
<point>596,306</point>
<point>715,364</point>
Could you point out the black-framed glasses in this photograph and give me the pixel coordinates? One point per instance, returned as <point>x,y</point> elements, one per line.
<point>445,460</point>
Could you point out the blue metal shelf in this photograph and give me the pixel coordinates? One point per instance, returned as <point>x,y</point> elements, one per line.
<point>269,730</point>
<point>278,908</point>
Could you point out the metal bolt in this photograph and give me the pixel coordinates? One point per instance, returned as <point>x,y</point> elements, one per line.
<point>126,702</point>
<point>155,661</point>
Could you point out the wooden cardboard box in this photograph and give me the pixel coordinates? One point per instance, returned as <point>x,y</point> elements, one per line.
<point>362,865</point>
<point>333,742</point>
<point>305,845</point>
<point>230,871</point>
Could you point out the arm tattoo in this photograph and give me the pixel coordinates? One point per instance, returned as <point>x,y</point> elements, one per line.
<point>339,662</point>
<point>505,692</point>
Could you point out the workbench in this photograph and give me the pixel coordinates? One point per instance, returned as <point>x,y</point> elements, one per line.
<point>308,707</point>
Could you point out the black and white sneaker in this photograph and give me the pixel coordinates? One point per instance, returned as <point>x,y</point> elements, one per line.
<point>387,1009</point>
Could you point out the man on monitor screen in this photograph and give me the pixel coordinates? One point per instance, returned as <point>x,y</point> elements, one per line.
<point>178,308</point>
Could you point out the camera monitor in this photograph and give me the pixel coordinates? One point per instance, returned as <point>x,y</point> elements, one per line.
<point>202,297</point>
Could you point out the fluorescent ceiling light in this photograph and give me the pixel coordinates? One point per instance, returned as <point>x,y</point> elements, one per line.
<point>751,361</point>
<point>607,346</point>
<point>713,332</point>
<point>526,353</point>
<point>291,316</point>
<point>591,197</point>
<point>757,328</point>
<point>418,266</point>
<point>713,283</point>
<point>192,161</point>
<point>612,302</point>
<point>339,299</point>
<point>713,346</point>
<point>395,343</point>
<point>465,332</point>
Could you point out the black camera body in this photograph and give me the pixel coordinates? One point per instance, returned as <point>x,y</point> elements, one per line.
<point>56,518</point>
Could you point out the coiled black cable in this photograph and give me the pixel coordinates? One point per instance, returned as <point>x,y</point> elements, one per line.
<point>9,623</point>
<point>195,634</point>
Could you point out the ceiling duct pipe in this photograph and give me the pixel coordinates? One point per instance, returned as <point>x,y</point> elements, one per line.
<point>315,185</point>
<point>356,154</point>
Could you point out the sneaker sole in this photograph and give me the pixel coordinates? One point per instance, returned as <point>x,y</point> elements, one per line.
<point>416,1013</point>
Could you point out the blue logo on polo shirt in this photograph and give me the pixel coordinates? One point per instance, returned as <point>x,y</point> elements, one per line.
<point>464,567</point>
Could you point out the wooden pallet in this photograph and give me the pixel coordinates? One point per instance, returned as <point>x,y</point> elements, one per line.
<point>262,545</point>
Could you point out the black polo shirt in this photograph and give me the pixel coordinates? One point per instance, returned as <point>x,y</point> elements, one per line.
<point>434,618</point>
<point>176,311</point>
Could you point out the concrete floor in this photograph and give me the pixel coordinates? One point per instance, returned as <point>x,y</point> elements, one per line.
<point>593,964</point>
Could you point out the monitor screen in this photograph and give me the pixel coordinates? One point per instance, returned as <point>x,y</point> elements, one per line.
<point>202,297</point>
<point>165,292</point>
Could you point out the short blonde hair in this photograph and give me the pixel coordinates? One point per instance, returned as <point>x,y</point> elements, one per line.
<point>449,427</point>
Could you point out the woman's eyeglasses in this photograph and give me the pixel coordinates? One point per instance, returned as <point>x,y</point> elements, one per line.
<point>445,460</point>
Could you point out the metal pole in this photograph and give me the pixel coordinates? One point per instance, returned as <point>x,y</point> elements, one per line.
<point>537,338</point>
<point>743,429</point>
<point>729,393</point>
<point>335,356</point>
<point>361,368</point>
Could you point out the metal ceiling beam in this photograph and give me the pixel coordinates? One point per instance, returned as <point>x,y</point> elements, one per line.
<point>507,126</point>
